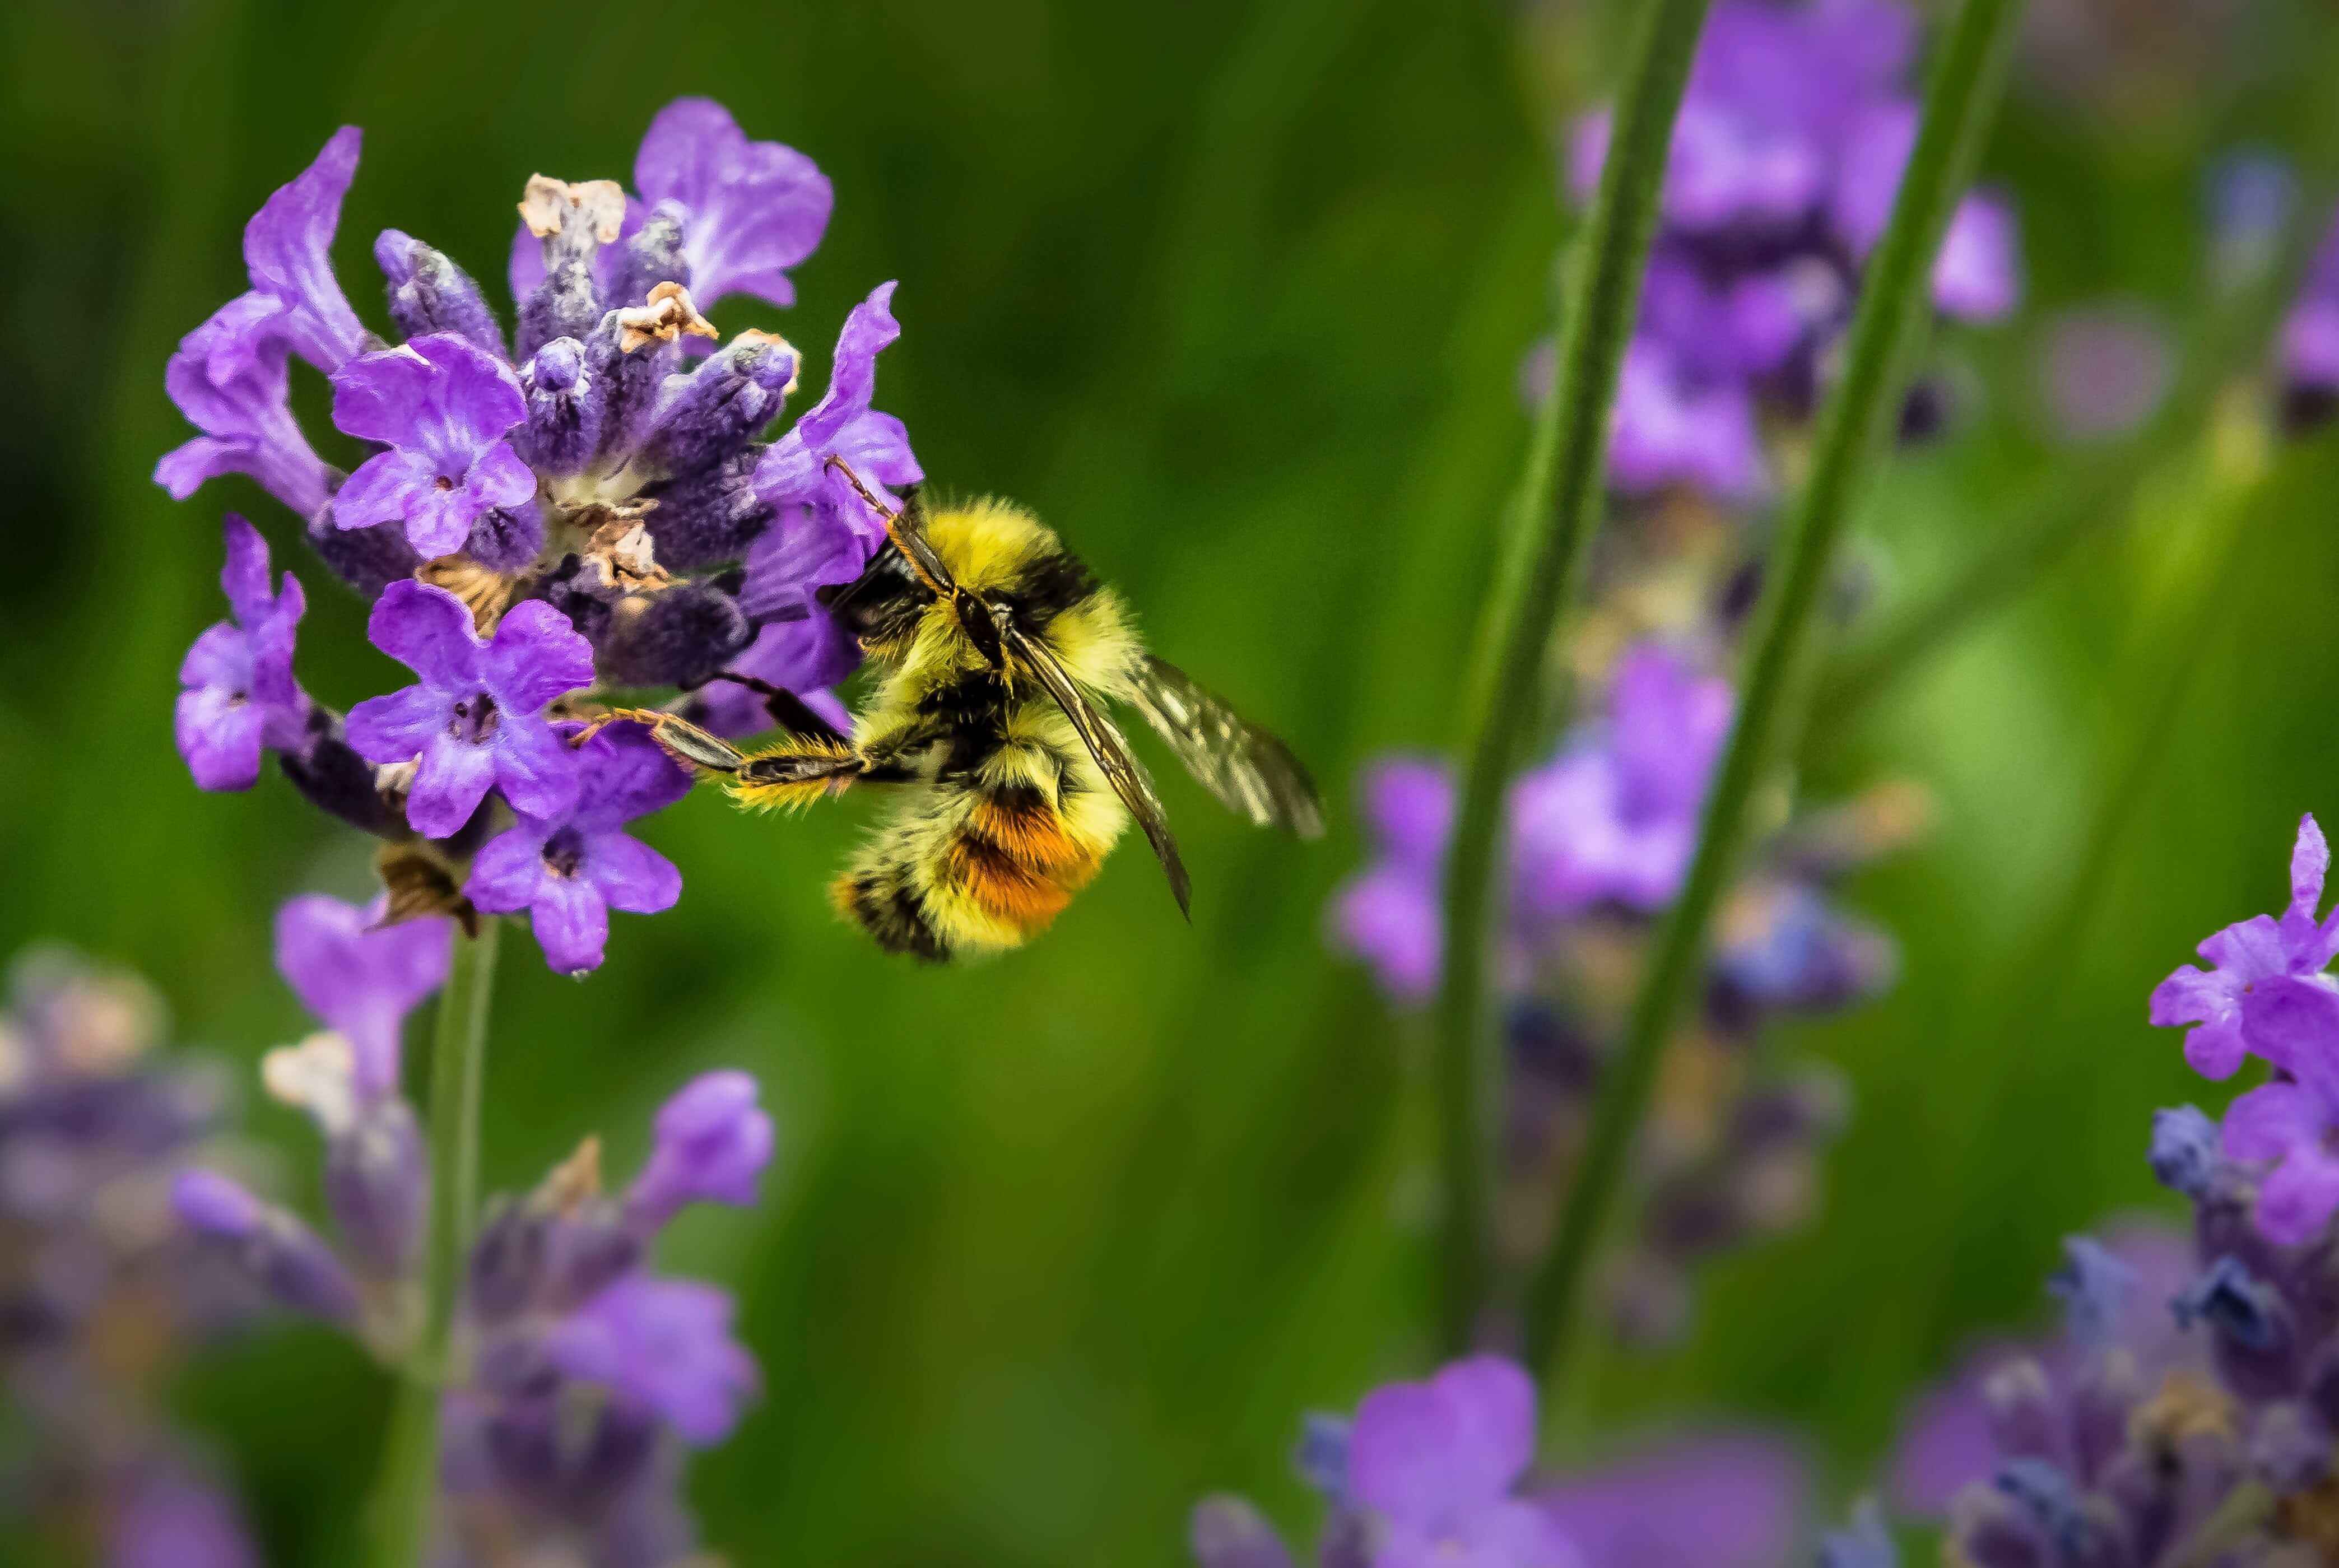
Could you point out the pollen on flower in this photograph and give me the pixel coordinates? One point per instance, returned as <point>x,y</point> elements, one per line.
<point>549,204</point>
<point>667,316</point>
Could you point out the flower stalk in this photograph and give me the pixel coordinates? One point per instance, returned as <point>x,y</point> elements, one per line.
<point>1960,102</point>
<point>1558,500</point>
<point>406,1496</point>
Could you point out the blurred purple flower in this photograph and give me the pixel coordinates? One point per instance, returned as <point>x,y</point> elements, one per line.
<point>1390,915</point>
<point>665,1344</point>
<point>713,1143</point>
<point>271,1245</point>
<point>361,977</point>
<point>2294,1024</point>
<point>1437,1464</point>
<point>474,720</point>
<point>2104,370</point>
<point>1726,1500</point>
<point>238,696</point>
<point>570,866</point>
<point>173,1518</point>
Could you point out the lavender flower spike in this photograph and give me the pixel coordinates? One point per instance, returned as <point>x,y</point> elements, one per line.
<point>359,977</point>
<point>238,693</point>
<point>443,407</point>
<point>2246,954</point>
<point>665,1345</point>
<point>571,867</point>
<point>713,1143</point>
<point>476,718</point>
<point>1436,1462</point>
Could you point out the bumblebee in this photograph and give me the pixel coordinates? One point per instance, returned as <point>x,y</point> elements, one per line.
<point>1008,782</point>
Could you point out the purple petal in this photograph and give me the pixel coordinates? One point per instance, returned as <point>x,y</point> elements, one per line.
<point>2217,1051</point>
<point>1422,1452</point>
<point>2270,1120</point>
<point>713,1143</point>
<point>1717,1502</point>
<point>385,487</point>
<point>288,245</point>
<point>1409,803</point>
<point>218,733</point>
<point>396,727</point>
<point>2310,860</point>
<point>2297,1200</point>
<point>454,777</point>
<point>1389,918</point>
<point>430,631</point>
<point>571,923</point>
<point>1976,277</point>
<point>665,1344</point>
<point>2251,948</point>
<point>439,521</point>
<point>631,877</point>
<point>535,657</point>
<point>500,478</point>
<point>626,775</point>
<point>792,470</point>
<point>2190,995</point>
<point>538,769</point>
<point>362,981</point>
<point>244,577</point>
<point>507,869</point>
<point>171,1519</point>
<point>220,658</point>
<point>754,208</point>
<point>1671,431</point>
<point>2294,1024</point>
<point>250,429</point>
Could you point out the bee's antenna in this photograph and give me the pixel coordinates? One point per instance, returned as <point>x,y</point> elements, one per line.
<point>918,554</point>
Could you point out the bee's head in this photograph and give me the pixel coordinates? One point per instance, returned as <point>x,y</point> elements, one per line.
<point>881,607</point>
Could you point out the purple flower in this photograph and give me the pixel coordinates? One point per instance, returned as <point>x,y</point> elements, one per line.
<point>713,1143</point>
<point>240,403</point>
<point>666,1344</point>
<point>1671,430</point>
<point>750,209</point>
<point>443,407</point>
<point>1436,1463</point>
<point>804,657</point>
<point>1726,1500</point>
<point>359,977</point>
<point>2104,370</point>
<point>171,1519</point>
<point>1615,815</point>
<point>238,694</point>
<point>294,298</point>
<point>793,472</point>
<point>1389,916</point>
<point>474,720</point>
<point>2294,1023</point>
<point>570,866</point>
<point>2245,955</point>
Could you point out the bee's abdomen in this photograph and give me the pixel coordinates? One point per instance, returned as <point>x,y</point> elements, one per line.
<point>883,901</point>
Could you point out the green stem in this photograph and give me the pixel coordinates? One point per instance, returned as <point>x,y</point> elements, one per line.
<point>2074,506</point>
<point>1558,499</point>
<point>1959,103</point>
<point>406,1496</point>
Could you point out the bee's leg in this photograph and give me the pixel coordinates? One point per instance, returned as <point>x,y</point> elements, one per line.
<point>796,773</point>
<point>684,742</point>
<point>788,711</point>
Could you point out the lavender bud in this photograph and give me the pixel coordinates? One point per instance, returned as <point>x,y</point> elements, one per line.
<point>1991,1529</point>
<point>2255,1347</point>
<point>2323,1386</point>
<point>1228,1533</point>
<point>713,1143</point>
<point>508,1260</point>
<point>681,636</point>
<point>719,408</point>
<point>2094,1286</point>
<point>587,1256</point>
<point>653,256</point>
<point>709,516</point>
<point>368,559</point>
<point>2102,1396</point>
<point>376,1185</point>
<point>278,1253</point>
<point>2078,1532</point>
<point>508,539</point>
<point>564,411</point>
<point>430,293</point>
<point>2023,1419</point>
<point>574,221</point>
<point>337,781</point>
<point>1866,1544</point>
<point>1322,1457</point>
<point>2185,1156</point>
<point>627,383</point>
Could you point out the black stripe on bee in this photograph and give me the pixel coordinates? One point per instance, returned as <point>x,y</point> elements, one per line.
<point>1047,587</point>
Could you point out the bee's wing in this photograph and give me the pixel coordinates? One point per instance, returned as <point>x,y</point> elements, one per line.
<point>1110,749</point>
<point>1248,769</point>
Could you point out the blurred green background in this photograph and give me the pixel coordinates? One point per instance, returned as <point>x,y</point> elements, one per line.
<point>1235,294</point>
